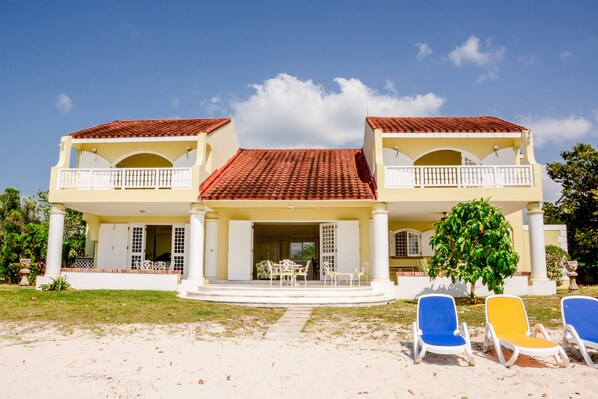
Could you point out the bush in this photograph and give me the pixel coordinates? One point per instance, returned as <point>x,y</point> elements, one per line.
<point>555,267</point>
<point>57,284</point>
<point>263,272</point>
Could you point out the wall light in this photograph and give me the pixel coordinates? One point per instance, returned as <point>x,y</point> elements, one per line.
<point>396,148</point>
<point>94,150</point>
<point>495,148</point>
<point>290,207</point>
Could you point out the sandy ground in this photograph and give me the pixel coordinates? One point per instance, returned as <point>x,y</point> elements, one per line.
<point>191,361</point>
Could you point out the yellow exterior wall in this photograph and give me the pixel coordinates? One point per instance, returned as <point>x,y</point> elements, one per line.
<point>145,161</point>
<point>298,214</point>
<point>441,157</point>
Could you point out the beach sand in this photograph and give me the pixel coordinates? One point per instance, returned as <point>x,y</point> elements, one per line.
<point>199,361</point>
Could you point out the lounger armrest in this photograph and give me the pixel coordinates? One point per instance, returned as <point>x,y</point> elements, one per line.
<point>570,332</point>
<point>539,328</point>
<point>463,331</point>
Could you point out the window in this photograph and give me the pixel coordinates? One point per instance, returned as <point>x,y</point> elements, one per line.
<point>405,243</point>
<point>302,250</point>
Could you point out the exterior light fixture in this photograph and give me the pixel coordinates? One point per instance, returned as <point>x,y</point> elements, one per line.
<point>443,218</point>
<point>396,148</point>
<point>495,148</point>
<point>94,150</point>
<point>290,207</point>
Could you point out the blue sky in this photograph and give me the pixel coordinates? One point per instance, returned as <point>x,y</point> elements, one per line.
<point>292,74</point>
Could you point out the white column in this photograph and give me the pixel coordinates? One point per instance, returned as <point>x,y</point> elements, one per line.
<point>196,243</point>
<point>535,217</point>
<point>55,233</point>
<point>211,246</point>
<point>379,256</point>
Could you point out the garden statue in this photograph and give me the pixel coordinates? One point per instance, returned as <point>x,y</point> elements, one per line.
<point>571,266</point>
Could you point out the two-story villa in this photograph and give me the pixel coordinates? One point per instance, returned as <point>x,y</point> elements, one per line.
<point>182,192</point>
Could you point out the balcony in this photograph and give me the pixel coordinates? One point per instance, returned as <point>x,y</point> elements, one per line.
<point>125,179</point>
<point>489,176</point>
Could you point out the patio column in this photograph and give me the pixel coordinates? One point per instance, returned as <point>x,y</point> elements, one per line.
<point>55,235</point>
<point>379,253</point>
<point>535,217</point>
<point>211,245</point>
<point>196,243</point>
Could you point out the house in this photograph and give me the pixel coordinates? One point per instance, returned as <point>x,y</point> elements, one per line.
<point>183,191</point>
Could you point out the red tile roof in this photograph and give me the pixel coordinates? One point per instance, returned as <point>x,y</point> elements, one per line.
<point>444,124</point>
<point>151,128</point>
<point>340,174</point>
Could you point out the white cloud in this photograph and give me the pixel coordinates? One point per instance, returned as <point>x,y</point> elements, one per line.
<point>64,103</point>
<point>390,86</point>
<point>288,112</point>
<point>527,62</point>
<point>214,106</point>
<point>565,54</point>
<point>471,53</point>
<point>424,50</point>
<point>557,130</point>
<point>175,102</point>
<point>551,190</point>
<point>492,74</point>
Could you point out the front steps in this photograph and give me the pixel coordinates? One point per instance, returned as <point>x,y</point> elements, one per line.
<point>315,294</point>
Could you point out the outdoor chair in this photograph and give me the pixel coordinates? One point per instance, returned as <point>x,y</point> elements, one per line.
<point>437,329</point>
<point>363,272</point>
<point>286,272</point>
<point>274,270</point>
<point>302,271</point>
<point>148,265</point>
<point>580,321</point>
<point>507,325</point>
<point>329,272</point>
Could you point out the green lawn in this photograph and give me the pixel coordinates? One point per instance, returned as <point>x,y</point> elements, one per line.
<point>98,307</point>
<point>89,307</point>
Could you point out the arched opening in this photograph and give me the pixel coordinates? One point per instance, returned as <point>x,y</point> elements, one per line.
<point>440,158</point>
<point>144,161</point>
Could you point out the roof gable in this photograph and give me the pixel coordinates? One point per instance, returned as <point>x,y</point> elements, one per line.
<point>333,174</point>
<point>151,128</point>
<point>443,124</point>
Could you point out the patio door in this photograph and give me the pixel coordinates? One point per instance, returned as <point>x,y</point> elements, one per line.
<point>240,249</point>
<point>112,246</point>
<point>327,246</point>
<point>136,244</point>
<point>180,247</point>
<point>347,246</point>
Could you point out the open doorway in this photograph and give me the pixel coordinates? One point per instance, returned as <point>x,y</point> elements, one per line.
<point>299,242</point>
<point>158,243</point>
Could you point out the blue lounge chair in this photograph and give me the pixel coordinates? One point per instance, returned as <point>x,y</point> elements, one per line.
<point>580,321</point>
<point>437,329</point>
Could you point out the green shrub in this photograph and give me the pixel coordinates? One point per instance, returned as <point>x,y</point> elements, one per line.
<point>263,272</point>
<point>555,266</point>
<point>57,284</point>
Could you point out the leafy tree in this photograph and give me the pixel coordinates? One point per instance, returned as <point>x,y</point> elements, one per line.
<point>473,242</point>
<point>555,256</point>
<point>24,226</point>
<point>578,204</point>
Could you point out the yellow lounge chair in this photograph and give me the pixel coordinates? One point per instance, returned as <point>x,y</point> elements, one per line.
<point>507,325</point>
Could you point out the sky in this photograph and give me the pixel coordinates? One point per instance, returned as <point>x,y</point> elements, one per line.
<point>292,74</point>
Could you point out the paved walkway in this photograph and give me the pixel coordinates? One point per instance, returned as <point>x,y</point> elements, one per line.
<point>291,323</point>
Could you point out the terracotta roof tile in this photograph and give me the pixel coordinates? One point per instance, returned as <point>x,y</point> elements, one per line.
<point>444,124</point>
<point>151,128</point>
<point>339,174</point>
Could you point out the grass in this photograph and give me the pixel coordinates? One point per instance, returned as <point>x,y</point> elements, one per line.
<point>101,307</point>
<point>540,309</point>
<point>93,307</point>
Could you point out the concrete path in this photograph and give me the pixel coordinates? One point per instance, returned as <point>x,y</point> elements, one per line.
<point>291,323</point>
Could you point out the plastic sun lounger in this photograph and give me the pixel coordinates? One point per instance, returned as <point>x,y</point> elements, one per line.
<point>507,325</point>
<point>580,321</point>
<point>436,328</point>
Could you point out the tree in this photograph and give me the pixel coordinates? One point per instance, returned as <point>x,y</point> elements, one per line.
<point>578,204</point>
<point>473,242</point>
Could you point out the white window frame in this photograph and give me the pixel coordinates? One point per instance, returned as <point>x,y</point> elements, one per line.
<point>410,234</point>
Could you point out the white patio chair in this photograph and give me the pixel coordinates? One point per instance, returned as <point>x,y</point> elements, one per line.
<point>329,272</point>
<point>302,271</point>
<point>148,265</point>
<point>273,269</point>
<point>363,272</point>
<point>286,272</point>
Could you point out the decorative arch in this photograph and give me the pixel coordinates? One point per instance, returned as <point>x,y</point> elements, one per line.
<point>462,153</point>
<point>145,158</point>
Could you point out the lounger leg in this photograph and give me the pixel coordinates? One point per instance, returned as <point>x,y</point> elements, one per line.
<point>561,358</point>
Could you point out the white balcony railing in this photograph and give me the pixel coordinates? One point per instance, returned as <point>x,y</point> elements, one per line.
<point>124,179</point>
<point>458,176</point>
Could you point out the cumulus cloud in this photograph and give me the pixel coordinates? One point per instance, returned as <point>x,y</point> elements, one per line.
<point>565,54</point>
<point>557,130</point>
<point>424,50</point>
<point>288,112</point>
<point>471,52</point>
<point>551,190</point>
<point>214,106</point>
<point>64,103</point>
